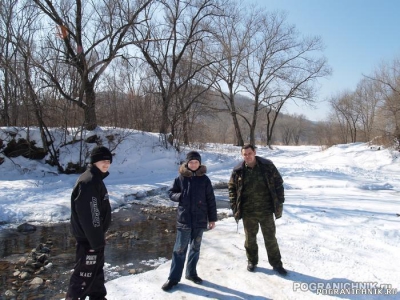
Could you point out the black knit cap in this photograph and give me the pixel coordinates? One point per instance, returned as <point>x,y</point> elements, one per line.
<point>100,153</point>
<point>193,155</point>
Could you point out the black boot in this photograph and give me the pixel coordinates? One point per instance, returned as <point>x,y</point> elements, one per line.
<point>195,279</point>
<point>169,285</point>
<point>280,270</point>
<point>251,267</point>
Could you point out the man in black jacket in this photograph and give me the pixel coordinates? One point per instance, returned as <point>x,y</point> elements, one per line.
<point>90,220</point>
<point>256,193</point>
<point>196,209</point>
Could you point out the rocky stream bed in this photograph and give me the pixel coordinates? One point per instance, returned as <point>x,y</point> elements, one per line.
<point>36,261</point>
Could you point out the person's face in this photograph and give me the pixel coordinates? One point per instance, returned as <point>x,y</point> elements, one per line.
<point>193,164</point>
<point>249,156</point>
<point>103,165</point>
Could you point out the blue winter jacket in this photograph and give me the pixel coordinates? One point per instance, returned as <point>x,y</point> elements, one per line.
<point>195,194</point>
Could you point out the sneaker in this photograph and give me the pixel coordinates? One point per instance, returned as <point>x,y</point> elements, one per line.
<point>169,285</point>
<point>280,270</point>
<point>251,267</point>
<point>195,279</point>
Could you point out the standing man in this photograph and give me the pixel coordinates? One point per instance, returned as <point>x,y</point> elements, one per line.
<point>90,219</point>
<point>256,193</point>
<point>193,191</point>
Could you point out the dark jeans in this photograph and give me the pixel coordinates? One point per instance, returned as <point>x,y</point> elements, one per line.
<point>88,276</point>
<point>251,223</point>
<point>184,237</point>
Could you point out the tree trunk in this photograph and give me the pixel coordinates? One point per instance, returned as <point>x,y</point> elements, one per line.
<point>239,138</point>
<point>164,117</point>
<point>90,107</point>
<point>164,125</point>
<point>254,122</point>
<point>271,121</point>
<point>185,126</point>
<point>5,115</point>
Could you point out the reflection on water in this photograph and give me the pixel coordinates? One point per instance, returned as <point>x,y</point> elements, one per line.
<point>148,239</point>
<point>14,242</point>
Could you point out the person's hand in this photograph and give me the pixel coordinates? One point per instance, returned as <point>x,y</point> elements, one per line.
<point>237,216</point>
<point>211,225</point>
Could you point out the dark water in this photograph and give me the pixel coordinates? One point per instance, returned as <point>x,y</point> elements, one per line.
<point>137,233</point>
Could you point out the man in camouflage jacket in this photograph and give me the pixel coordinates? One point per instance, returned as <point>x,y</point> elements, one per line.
<point>256,194</point>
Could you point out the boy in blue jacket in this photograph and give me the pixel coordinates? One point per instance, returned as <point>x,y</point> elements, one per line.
<point>197,210</point>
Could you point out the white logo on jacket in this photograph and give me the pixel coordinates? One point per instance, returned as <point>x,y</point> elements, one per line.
<point>95,212</point>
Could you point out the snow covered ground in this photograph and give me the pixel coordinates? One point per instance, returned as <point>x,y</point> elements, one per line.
<point>339,232</point>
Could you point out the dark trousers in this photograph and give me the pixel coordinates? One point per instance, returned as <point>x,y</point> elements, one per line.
<point>251,223</point>
<point>88,276</point>
<point>184,238</point>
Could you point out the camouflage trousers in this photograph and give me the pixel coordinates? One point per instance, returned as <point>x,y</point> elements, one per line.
<point>251,223</point>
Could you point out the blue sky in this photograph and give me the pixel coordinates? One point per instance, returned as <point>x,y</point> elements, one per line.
<point>358,35</point>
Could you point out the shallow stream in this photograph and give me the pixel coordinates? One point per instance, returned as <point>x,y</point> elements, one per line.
<point>138,235</point>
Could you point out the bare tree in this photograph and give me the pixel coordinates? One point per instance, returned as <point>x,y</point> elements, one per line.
<point>367,100</point>
<point>172,30</point>
<point>287,131</point>
<point>347,114</point>
<point>299,128</point>
<point>192,100</point>
<point>122,99</point>
<point>233,34</point>
<point>281,67</point>
<point>11,28</point>
<point>22,38</point>
<point>326,132</point>
<point>90,34</point>
<point>388,79</point>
